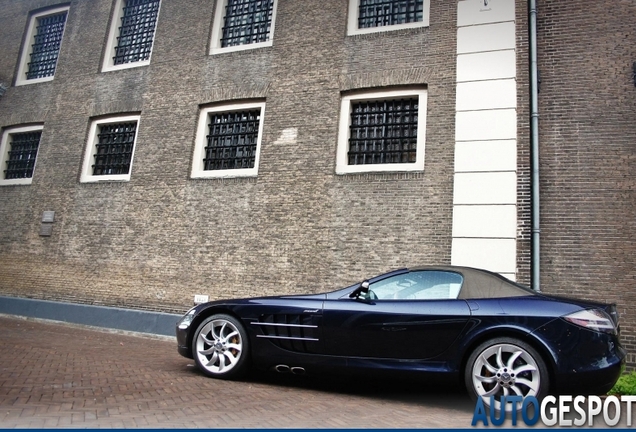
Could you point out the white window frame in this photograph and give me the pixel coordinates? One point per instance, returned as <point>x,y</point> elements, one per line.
<point>4,154</point>
<point>109,64</point>
<point>198,170</point>
<point>354,11</point>
<point>28,47</point>
<point>217,31</point>
<point>91,148</point>
<point>342,166</point>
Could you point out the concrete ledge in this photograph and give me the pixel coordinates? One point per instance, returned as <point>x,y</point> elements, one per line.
<point>132,320</point>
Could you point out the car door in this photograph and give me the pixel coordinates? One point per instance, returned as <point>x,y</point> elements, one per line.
<point>412,315</point>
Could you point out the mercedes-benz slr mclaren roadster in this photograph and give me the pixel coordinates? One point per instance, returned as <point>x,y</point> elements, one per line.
<point>457,323</point>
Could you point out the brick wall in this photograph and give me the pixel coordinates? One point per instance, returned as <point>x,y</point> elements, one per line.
<point>587,135</point>
<point>157,240</point>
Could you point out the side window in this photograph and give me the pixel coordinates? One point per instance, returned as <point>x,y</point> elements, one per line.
<point>242,24</point>
<point>110,149</point>
<point>382,131</point>
<point>366,16</point>
<point>132,34</point>
<point>42,46</point>
<point>18,154</point>
<point>419,285</point>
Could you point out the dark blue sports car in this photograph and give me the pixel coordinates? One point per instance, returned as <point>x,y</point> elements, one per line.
<point>458,323</point>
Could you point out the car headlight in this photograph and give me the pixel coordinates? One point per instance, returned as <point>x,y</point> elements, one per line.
<point>593,319</point>
<point>186,320</point>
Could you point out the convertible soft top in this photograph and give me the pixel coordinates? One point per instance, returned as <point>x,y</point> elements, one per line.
<point>479,284</point>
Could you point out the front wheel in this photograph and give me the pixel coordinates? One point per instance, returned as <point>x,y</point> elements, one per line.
<point>221,348</point>
<point>506,367</point>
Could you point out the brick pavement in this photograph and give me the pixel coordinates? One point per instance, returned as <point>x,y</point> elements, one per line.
<point>65,376</point>
<point>58,376</point>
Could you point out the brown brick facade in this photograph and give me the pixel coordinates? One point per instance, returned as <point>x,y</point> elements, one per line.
<point>587,108</point>
<point>159,239</point>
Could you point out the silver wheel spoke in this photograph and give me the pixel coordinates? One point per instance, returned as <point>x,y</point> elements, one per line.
<point>513,358</point>
<point>532,385</point>
<point>488,380</point>
<point>525,368</point>
<point>500,358</point>
<point>487,365</point>
<point>213,359</point>
<point>492,392</point>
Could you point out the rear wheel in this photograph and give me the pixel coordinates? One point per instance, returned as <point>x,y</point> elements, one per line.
<point>506,367</point>
<point>220,347</point>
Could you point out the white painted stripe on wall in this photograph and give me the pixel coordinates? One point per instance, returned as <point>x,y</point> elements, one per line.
<point>485,194</point>
<point>471,12</point>
<point>486,66</point>
<point>486,125</point>
<point>476,156</point>
<point>485,221</point>
<point>488,37</point>
<point>480,95</point>
<point>485,188</point>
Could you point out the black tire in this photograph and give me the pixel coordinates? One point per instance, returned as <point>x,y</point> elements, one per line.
<point>506,363</point>
<point>220,347</point>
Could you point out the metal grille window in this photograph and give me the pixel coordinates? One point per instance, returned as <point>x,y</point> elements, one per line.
<point>114,148</point>
<point>23,150</point>
<point>46,46</point>
<point>378,13</point>
<point>247,22</point>
<point>232,140</point>
<point>137,31</point>
<point>383,132</point>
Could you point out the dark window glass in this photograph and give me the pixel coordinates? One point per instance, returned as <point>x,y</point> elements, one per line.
<point>383,132</point>
<point>114,148</point>
<point>247,22</point>
<point>378,13</point>
<point>232,140</point>
<point>137,31</point>
<point>46,46</point>
<point>23,150</point>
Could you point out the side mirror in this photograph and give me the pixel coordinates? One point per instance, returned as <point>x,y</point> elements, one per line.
<point>363,288</point>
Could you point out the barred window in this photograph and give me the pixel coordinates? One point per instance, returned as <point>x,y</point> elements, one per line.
<point>377,15</point>
<point>228,140</point>
<point>246,22</point>
<point>232,140</point>
<point>18,154</point>
<point>137,31</point>
<point>42,46</point>
<point>243,24</point>
<point>46,46</point>
<point>110,149</point>
<point>382,131</point>
<point>23,150</point>
<point>115,144</point>
<point>132,34</point>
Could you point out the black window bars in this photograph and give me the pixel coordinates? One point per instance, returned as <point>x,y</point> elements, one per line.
<point>137,31</point>
<point>383,131</point>
<point>114,148</point>
<point>378,13</point>
<point>232,140</point>
<point>46,46</point>
<point>247,22</point>
<point>22,154</point>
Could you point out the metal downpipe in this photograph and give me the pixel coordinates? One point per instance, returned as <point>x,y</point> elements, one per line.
<point>534,136</point>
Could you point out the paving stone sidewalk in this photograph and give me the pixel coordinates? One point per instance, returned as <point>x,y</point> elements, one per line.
<point>61,376</point>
